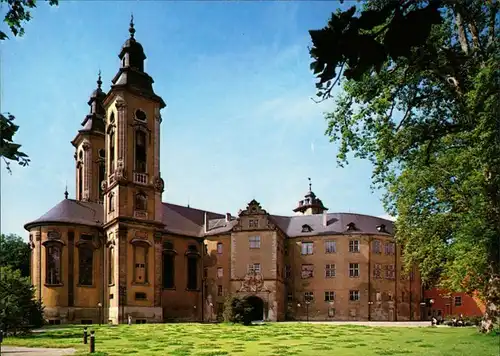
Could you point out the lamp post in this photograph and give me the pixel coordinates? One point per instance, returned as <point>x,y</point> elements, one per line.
<point>194,311</point>
<point>99,306</point>
<point>370,303</point>
<point>422,310</point>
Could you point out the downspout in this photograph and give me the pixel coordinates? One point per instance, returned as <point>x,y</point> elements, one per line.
<point>370,240</point>
<point>396,275</point>
<point>40,267</point>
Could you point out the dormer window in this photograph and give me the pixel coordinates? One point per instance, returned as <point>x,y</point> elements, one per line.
<point>351,226</point>
<point>306,228</point>
<point>381,228</point>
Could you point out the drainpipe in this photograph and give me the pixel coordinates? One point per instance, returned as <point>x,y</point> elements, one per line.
<point>370,241</point>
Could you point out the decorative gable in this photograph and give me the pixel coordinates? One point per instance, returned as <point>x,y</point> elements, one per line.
<point>253,208</point>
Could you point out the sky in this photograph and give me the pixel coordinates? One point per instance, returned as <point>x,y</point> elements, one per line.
<point>239,124</point>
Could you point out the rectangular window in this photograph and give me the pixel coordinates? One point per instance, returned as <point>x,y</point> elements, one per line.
<point>219,248</point>
<point>307,271</point>
<point>253,223</point>
<point>53,264</point>
<point>85,272</point>
<point>254,241</point>
<point>288,271</point>
<point>389,248</point>
<point>330,270</point>
<point>308,296</point>
<point>390,272</point>
<point>220,272</point>
<point>330,246</point>
<point>353,270</point>
<point>140,296</point>
<point>307,248</point>
<point>168,270</point>
<point>377,247</point>
<point>377,271</point>
<point>354,295</point>
<point>219,290</point>
<point>289,297</point>
<point>329,296</point>
<point>192,273</point>
<point>253,268</point>
<point>354,246</point>
<point>458,301</point>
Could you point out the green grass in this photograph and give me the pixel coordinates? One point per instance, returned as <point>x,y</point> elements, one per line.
<point>267,340</point>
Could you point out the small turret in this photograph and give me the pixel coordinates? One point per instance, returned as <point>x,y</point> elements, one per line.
<point>310,204</point>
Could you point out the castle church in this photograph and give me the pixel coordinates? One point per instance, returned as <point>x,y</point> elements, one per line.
<point>119,251</point>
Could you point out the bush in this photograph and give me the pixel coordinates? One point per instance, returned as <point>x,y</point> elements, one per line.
<point>237,310</point>
<point>19,311</point>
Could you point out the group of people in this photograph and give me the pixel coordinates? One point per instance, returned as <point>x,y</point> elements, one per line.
<point>454,322</point>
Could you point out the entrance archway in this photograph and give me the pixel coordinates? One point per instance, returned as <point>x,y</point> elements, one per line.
<point>257,306</point>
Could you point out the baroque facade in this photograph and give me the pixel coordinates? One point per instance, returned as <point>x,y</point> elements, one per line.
<point>118,250</point>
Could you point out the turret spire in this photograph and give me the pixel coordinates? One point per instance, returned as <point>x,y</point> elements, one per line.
<point>310,185</point>
<point>131,28</point>
<point>66,192</point>
<point>99,81</point>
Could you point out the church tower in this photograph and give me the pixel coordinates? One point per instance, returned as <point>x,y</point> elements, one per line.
<point>90,152</point>
<point>310,204</point>
<point>133,189</point>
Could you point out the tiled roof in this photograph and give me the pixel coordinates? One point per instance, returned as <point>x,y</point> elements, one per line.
<point>191,222</point>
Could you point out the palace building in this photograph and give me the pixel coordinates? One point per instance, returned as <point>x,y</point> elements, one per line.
<point>118,250</point>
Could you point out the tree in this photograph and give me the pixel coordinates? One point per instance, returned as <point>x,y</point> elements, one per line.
<point>18,13</point>
<point>19,311</point>
<point>421,101</point>
<point>238,310</point>
<point>15,253</point>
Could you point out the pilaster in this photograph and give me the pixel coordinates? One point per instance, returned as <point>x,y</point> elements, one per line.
<point>121,108</point>
<point>158,253</point>
<point>87,167</point>
<point>121,234</point>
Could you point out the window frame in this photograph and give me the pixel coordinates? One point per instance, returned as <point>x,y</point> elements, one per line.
<point>307,248</point>
<point>254,242</point>
<point>354,246</point>
<point>354,270</point>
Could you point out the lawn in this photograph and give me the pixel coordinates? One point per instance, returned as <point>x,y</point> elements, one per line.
<point>269,340</point>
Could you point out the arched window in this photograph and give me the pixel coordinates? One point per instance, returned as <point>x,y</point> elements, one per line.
<point>53,264</point>
<point>112,150</point>
<point>111,266</point>
<point>80,181</point>
<point>111,202</point>
<point>141,202</point>
<point>86,264</point>
<point>140,151</point>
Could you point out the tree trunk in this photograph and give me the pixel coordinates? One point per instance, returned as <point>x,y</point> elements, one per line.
<point>492,299</point>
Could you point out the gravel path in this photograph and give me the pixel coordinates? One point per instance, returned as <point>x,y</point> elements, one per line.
<point>34,351</point>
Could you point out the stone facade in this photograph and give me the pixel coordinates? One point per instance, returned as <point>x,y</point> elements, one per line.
<point>118,251</point>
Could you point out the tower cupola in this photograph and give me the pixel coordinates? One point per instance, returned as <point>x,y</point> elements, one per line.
<point>310,204</point>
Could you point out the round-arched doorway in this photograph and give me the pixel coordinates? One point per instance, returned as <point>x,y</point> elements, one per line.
<point>257,306</point>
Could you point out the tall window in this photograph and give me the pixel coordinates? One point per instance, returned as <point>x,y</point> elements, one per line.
<point>86,262</point>
<point>308,296</point>
<point>168,270</point>
<point>111,202</point>
<point>53,267</point>
<point>141,263</point>
<point>140,151</point>
<point>254,241</point>
<point>330,247</point>
<point>307,271</point>
<point>458,301</point>
<point>112,150</point>
<point>354,246</point>
<point>111,266</point>
<point>80,181</point>
<point>377,247</point>
<point>389,248</point>
<point>220,272</point>
<point>219,248</point>
<point>329,296</point>
<point>354,295</point>
<point>253,223</point>
<point>377,271</point>
<point>353,270</point>
<point>307,248</point>
<point>141,202</point>
<point>102,176</point>
<point>192,272</point>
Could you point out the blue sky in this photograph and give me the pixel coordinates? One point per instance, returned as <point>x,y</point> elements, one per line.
<point>239,123</point>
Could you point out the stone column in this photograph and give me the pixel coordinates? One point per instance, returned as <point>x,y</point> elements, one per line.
<point>158,253</point>
<point>121,134</point>
<point>121,234</point>
<point>87,171</point>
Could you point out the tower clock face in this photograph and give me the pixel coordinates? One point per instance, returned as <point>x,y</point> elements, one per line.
<point>140,115</point>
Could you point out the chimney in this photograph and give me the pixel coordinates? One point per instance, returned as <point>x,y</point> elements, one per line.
<point>206,222</point>
<point>325,218</point>
<point>228,217</point>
